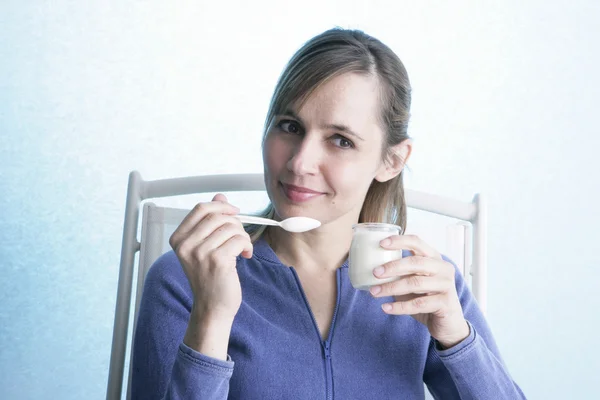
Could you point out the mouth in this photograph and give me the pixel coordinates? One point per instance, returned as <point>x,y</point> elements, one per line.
<point>299,194</point>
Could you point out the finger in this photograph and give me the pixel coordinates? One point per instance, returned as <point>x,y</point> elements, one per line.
<point>200,211</point>
<point>235,246</point>
<point>196,215</point>
<point>247,253</point>
<point>218,204</point>
<point>409,266</point>
<point>410,242</point>
<point>204,229</point>
<point>412,284</point>
<point>418,305</point>
<point>220,197</point>
<point>215,231</point>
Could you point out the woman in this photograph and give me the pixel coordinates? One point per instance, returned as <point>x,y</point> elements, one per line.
<point>266,314</point>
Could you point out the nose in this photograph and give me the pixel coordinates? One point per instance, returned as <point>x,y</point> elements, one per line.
<point>306,157</point>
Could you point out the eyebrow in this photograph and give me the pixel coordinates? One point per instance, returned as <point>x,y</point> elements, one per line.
<point>338,127</point>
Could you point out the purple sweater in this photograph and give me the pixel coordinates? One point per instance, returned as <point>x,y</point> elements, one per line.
<point>276,351</point>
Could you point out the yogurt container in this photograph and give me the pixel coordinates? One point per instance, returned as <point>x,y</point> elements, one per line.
<point>366,254</point>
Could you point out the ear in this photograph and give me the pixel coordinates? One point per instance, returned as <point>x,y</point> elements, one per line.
<point>395,162</point>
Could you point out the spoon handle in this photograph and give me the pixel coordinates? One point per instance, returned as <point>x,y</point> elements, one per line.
<point>250,219</point>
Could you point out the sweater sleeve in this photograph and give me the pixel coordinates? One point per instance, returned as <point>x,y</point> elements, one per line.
<point>163,367</point>
<point>473,369</point>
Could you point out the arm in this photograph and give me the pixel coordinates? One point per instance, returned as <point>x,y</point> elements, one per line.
<point>190,299</point>
<point>472,369</point>
<point>463,361</point>
<point>163,366</point>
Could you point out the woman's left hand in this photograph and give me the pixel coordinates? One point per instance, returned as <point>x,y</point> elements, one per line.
<point>425,289</point>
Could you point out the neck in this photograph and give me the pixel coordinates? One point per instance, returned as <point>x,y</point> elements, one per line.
<point>322,250</point>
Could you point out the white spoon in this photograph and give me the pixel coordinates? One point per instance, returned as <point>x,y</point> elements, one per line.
<point>293,224</point>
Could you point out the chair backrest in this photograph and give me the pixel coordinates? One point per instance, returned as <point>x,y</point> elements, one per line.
<point>455,228</point>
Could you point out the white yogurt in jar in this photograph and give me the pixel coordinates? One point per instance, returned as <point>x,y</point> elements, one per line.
<point>366,254</point>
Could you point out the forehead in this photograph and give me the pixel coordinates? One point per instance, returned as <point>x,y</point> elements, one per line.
<point>350,99</point>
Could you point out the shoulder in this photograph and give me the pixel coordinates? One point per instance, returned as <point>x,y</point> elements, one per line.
<point>166,271</point>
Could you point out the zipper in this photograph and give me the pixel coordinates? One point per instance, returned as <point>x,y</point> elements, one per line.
<point>326,344</point>
<point>328,372</point>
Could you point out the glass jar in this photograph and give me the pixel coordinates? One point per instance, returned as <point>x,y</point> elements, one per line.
<point>366,254</point>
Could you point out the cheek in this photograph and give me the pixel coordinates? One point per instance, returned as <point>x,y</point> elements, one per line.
<point>350,176</point>
<point>275,153</point>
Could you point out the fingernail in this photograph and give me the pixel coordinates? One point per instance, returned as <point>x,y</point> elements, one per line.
<point>386,307</point>
<point>378,271</point>
<point>375,289</point>
<point>385,242</point>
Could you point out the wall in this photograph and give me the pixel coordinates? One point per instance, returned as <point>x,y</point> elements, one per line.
<point>503,104</point>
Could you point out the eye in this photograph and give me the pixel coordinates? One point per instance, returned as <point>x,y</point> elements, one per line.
<point>289,126</point>
<point>342,142</point>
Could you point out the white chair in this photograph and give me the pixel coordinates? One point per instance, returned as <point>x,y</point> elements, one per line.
<point>465,243</point>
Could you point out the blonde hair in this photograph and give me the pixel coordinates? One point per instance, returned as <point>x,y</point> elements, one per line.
<point>326,56</point>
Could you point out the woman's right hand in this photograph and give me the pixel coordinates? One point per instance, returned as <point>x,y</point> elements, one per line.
<point>207,243</point>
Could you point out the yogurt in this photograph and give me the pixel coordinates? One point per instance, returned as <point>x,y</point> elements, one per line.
<point>366,254</point>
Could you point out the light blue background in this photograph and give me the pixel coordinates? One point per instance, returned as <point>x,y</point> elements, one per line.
<point>505,102</point>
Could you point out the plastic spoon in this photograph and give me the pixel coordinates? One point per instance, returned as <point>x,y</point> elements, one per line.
<point>293,224</point>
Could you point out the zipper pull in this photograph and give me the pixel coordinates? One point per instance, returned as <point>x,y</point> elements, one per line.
<point>326,350</point>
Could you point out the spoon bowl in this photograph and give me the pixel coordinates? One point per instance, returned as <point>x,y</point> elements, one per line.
<point>299,224</point>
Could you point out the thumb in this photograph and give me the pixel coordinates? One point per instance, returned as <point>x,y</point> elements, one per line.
<point>229,208</point>
<point>220,197</point>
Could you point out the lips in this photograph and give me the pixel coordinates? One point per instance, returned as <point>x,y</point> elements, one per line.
<point>298,193</point>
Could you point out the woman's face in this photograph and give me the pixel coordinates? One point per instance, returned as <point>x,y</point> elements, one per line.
<point>321,159</point>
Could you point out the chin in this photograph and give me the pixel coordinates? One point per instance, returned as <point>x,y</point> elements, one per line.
<point>284,209</point>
